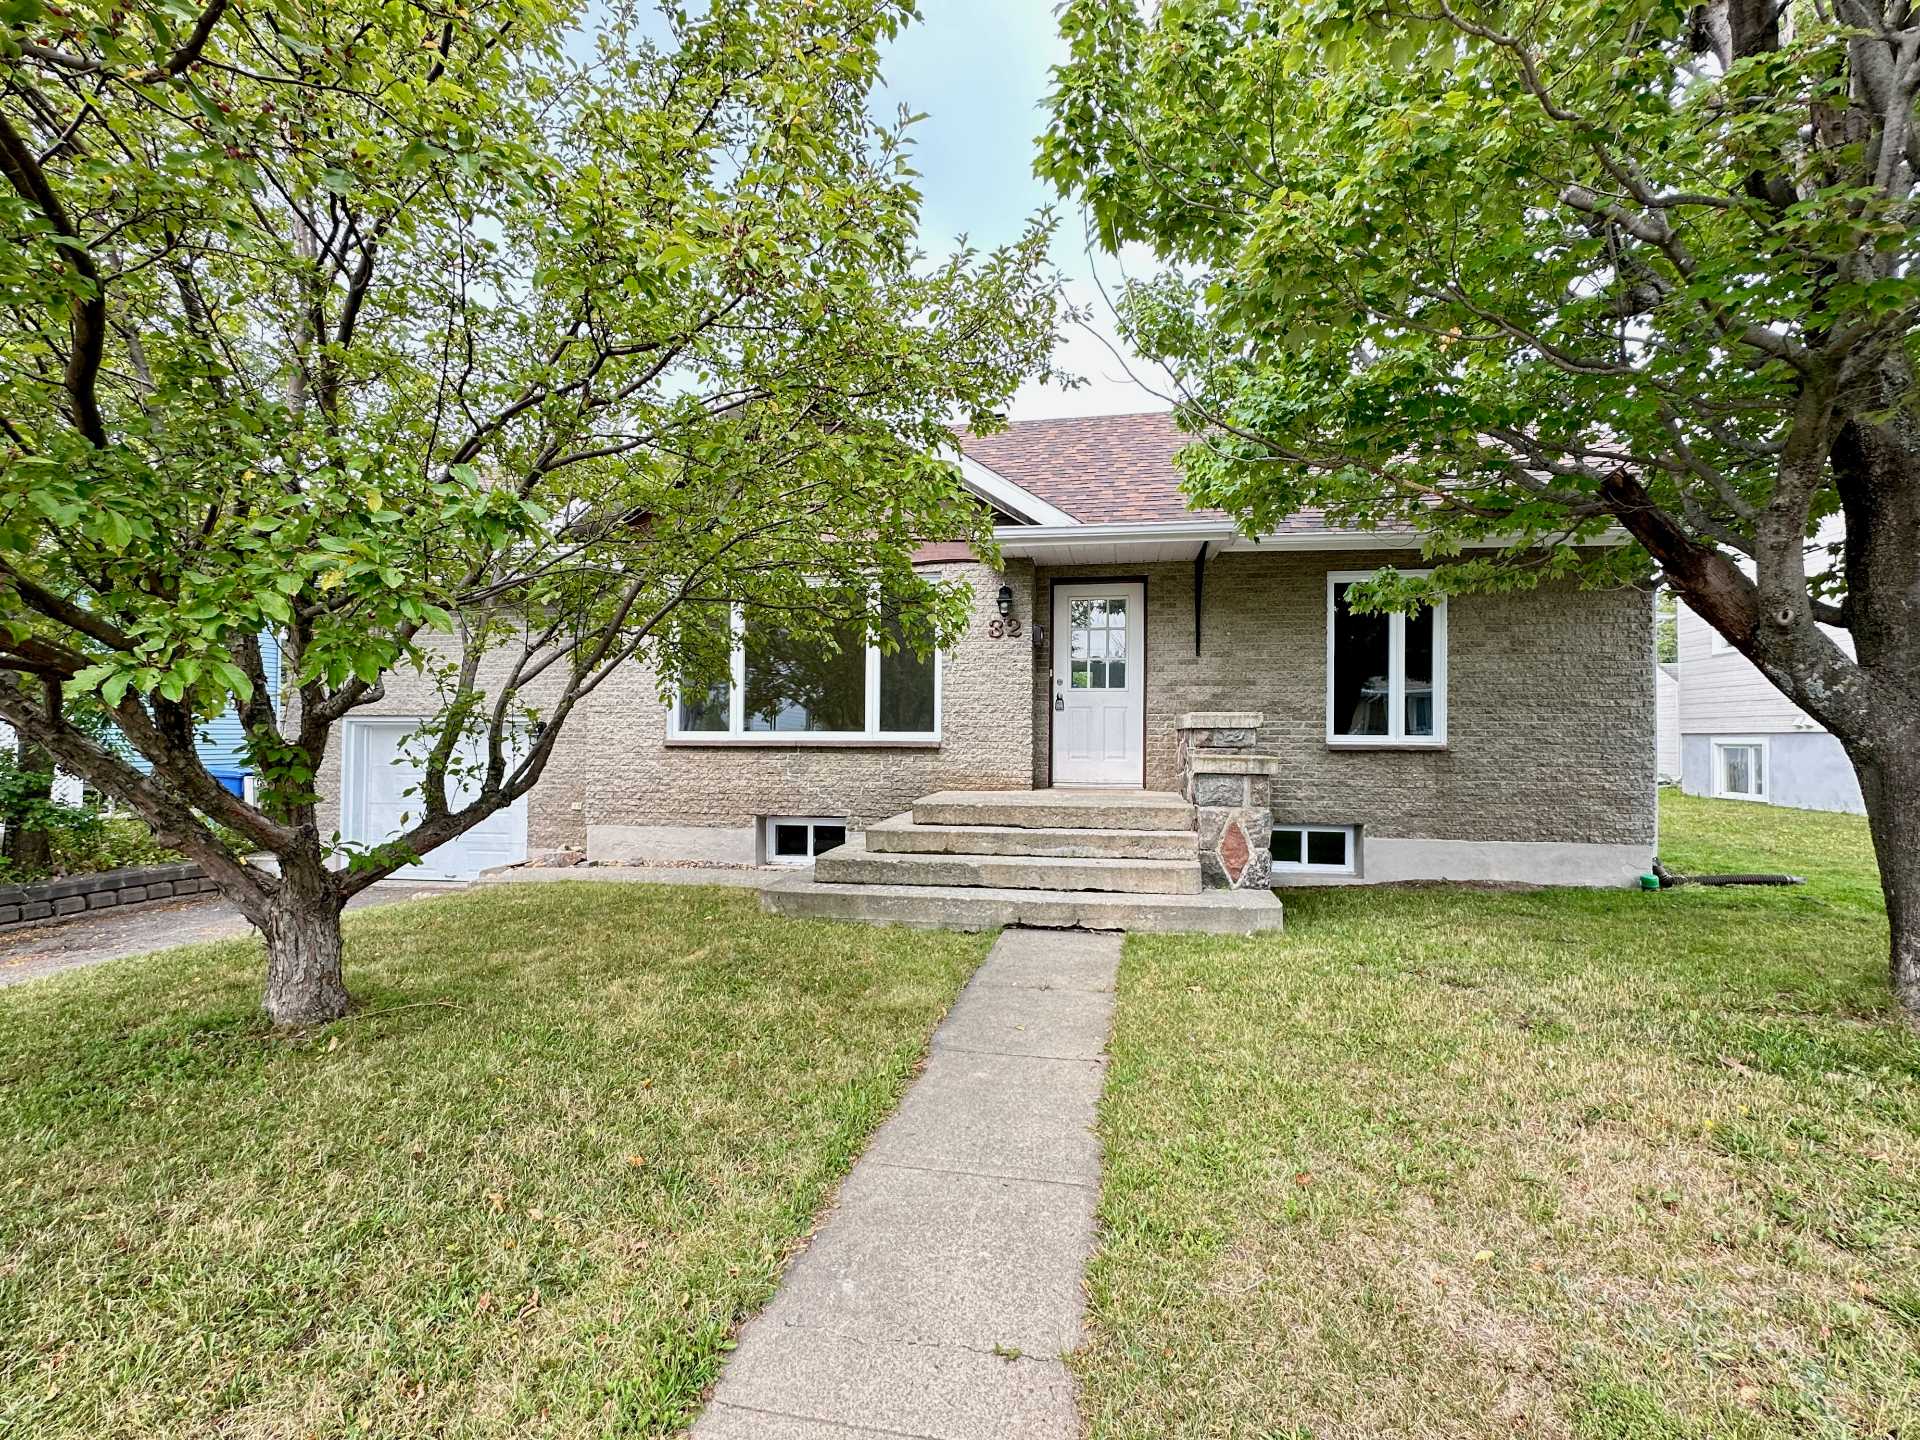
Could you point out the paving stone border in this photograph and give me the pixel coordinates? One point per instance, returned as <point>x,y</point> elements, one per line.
<point>48,902</point>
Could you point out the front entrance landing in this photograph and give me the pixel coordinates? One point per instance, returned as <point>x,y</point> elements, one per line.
<point>1088,859</point>
<point>941,1295</point>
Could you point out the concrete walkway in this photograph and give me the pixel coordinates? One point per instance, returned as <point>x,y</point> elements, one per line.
<point>939,1296</point>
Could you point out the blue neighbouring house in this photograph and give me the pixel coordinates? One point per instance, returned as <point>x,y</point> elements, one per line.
<point>222,744</point>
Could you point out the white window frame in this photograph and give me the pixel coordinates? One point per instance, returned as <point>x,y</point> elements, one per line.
<point>1722,743</point>
<point>767,853</point>
<point>1303,866</point>
<point>737,733</point>
<point>1396,737</point>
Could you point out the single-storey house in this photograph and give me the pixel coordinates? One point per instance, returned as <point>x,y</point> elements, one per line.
<point>1124,640</point>
<point>1741,739</point>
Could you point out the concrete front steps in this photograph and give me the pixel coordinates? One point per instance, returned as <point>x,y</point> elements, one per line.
<point>1057,809</point>
<point>903,835</point>
<point>1057,859</point>
<point>857,863</point>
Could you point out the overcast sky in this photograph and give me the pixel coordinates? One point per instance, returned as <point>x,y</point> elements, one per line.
<point>978,69</point>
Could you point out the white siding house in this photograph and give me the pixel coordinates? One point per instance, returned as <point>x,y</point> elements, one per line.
<point>1667,723</point>
<point>1741,739</point>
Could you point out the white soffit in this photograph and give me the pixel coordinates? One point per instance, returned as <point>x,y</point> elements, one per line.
<point>1106,544</point>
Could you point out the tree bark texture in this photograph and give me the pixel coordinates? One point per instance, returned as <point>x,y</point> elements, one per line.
<point>1890,782</point>
<point>304,981</point>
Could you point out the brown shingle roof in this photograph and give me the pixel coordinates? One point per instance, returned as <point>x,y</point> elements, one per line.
<point>1114,469</point>
<point>1097,468</point>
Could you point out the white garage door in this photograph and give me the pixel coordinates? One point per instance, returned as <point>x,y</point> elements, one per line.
<point>383,762</point>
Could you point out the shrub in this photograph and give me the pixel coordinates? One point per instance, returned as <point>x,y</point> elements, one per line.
<point>110,842</point>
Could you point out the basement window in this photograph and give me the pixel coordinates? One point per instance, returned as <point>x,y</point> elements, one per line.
<point>1326,849</point>
<point>796,839</point>
<point>1740,769</point>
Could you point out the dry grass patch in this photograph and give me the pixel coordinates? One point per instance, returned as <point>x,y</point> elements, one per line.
<point>565,1145</point>
<point>1549,1164</point>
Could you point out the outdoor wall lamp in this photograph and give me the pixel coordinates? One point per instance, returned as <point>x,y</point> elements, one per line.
<point>1006,624</point>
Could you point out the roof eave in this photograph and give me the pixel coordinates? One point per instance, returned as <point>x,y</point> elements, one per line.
<point>1115,538</point>
<point>1038,541</point>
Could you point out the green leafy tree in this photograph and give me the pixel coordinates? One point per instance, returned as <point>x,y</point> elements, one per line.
<point>38,828</point>
<point>26,811</point>
<point>479,338</point>
<point>1522,273</point>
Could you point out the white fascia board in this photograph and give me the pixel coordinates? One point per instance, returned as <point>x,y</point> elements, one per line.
<point>1386,540</point>
<point>992,486</point>
<point>1038,540</point>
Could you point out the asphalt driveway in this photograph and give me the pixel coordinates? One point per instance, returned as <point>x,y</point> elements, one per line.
<point>38,950</point>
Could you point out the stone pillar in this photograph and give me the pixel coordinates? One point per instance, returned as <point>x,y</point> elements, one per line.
<point>1230,787</point>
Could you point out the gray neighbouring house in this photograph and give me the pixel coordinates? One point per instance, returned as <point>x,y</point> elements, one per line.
<point>1141,688</point>
<point>1666,681</point>
<point>1741,739</point>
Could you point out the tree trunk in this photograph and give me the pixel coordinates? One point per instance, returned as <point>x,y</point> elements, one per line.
<point>304,982</point>
<point>1876,470</point>
<point>1890,783</point>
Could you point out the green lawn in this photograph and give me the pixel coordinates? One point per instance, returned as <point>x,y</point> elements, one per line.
<point>565,1146</point>
<point>1458,1163</point>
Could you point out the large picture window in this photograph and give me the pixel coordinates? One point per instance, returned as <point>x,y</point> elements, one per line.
<point>1386,673</point>
<point>786,688</point>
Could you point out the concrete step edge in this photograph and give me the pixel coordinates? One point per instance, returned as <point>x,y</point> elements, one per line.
<point>902,835</point>
<point>854,864</point>
<point>1059,815</point>
<point>1220,912</point>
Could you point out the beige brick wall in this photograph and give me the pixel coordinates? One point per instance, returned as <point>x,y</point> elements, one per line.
<point>1550,718</point>
<point>613,765</point>
<point>1550,699</point>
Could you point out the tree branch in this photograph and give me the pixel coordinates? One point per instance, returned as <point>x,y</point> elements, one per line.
<point>88,311</point>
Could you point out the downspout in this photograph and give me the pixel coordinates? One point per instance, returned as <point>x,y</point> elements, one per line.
<point>1199,591</point>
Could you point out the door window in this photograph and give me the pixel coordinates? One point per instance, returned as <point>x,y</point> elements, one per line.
<point>1097,643</point>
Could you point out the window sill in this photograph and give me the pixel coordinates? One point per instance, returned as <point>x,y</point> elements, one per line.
<point>794,742</point>
<point>1367,742</point>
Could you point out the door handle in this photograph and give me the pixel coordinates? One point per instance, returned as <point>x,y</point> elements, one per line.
<point>1059,702</point>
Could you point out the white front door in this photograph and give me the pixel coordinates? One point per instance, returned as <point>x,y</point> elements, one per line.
<point>1099,683</point>
<point>385,760</point>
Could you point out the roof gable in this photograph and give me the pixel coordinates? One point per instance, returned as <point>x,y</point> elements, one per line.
<point>1096,468</point>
